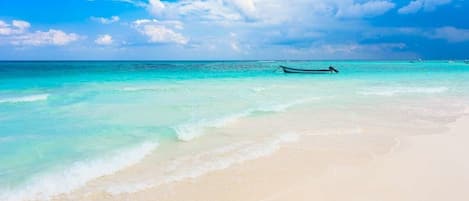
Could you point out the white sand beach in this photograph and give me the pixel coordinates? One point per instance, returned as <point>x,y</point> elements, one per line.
<point>362,153</point>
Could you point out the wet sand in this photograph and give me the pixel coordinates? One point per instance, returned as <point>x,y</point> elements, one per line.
<point>328,154</point>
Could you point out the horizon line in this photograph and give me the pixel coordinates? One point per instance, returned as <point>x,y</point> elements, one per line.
<point>215,60</point>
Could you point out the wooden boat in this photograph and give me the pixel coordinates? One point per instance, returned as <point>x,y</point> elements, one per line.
<point>310,71</point>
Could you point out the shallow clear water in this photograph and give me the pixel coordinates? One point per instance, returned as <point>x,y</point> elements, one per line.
<point>60,119</point>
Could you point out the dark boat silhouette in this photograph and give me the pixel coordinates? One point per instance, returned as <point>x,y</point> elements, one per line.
<point>331,69</point>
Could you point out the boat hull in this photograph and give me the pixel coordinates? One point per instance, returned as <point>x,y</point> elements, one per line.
<point>308,71</point>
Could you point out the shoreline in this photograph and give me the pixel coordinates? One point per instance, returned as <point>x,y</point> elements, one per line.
<point>315,160</point>
<point>331,175</point>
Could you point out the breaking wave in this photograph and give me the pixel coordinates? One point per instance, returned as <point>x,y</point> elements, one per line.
<point>20,99</point>
<point>196,165</point>
<point>391,91</point>
<point>191,130</point>
<point>77,175</point>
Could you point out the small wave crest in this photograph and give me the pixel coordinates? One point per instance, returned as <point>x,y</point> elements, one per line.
<point>139,89</point>
<point>196,165</point>
<point>21,99</point>
<point>258,89</point>
<point>46,186</point>
<point>191,130</point>
<point>146,88</point>
<point>391,91</point>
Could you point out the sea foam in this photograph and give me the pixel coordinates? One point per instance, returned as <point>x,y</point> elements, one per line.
<point>77,175</point>
<point>391,91</point>
<point>189,131</point>
<point>146,88</point>
<point>221,158</point>
<point>20,99</point>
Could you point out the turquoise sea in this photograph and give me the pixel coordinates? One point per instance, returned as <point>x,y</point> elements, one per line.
<point>65,123</point>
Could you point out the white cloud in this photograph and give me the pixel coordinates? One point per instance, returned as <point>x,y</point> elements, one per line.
<point>247,7</point>
<point>133,2</point>
<point>160,32</point>
<point>234,44</point>
<point>451,34</point>
<point>370,8</point>
<point>265,11</point>
<point>21,25</point>
<point>210,10</point>
<point>16,27</point>
<point>351,50</point>
<point>353,47</point>
<point>104,20</point>
<point>39,38</point>
<point>412,7</point>
<point>221,11</point>
<point>17,33</point>
<point>448,33</point>
<point>155,7</point>
<point>263,25</point>
<point>105,39</point>
<point>298,22</point>
<point>425,5</point>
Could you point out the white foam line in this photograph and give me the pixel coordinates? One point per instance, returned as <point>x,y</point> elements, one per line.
<point>218,159</point>
<point>258,89</point>
<point>47,186</point>
<point>147,88</point>
<point>30,98</point>
<point>391,91</point>
<point>140,88</point>
<point>192,130</point>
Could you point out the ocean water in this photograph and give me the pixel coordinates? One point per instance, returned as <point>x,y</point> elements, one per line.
<point>63,124</point>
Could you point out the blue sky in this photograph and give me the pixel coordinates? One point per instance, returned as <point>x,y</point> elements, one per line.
<point>233,29</point>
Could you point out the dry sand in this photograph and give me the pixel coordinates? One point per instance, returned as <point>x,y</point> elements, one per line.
<point>399,161</point>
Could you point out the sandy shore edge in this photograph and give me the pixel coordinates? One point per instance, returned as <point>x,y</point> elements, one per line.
<point>421,167</point>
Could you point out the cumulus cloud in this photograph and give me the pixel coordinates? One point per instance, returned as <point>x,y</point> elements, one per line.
<point>296,24</point>
<point>133,2</point>
<point>104,20</point>
<point>160,32</point>
<point>354,47</point>
<point>222,11</point>
<point>51,37</point>
<point>17,33</point>
<point>451,34</point>
<point>265,11</point>
<point>448,33</point>
<point>210,10</point>
<point>425,5</point>
<point>21,25</point>
<point>155,7</point>
<point>16,27</point>
<point>370,8</point>
<point>351,50</point>
<point>246,7</point>
<point>234,44</point>
<point>105,39</point>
